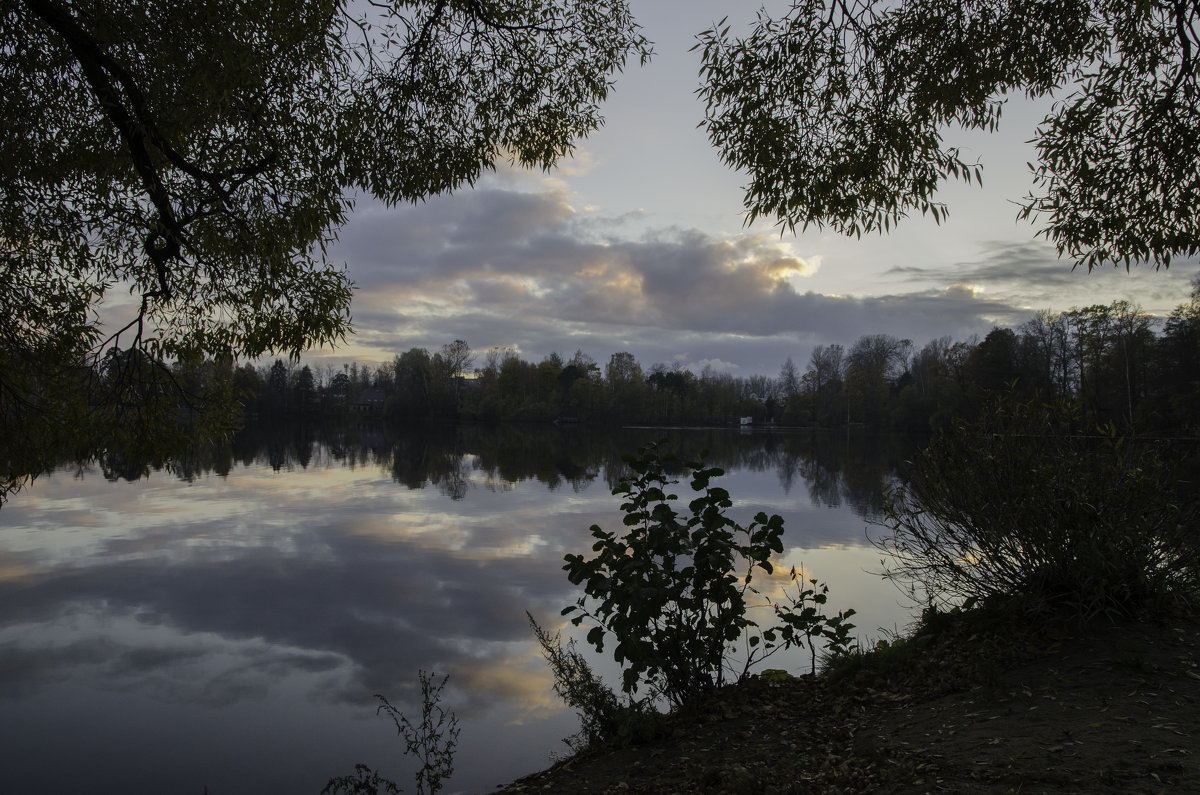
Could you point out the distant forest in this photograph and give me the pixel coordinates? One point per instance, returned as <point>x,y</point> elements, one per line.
<point>1122,365</point>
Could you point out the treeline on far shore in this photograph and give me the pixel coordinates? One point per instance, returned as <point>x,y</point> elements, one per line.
<point>1122,365</point>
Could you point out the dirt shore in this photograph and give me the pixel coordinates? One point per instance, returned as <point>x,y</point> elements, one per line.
<point>1114,708</point>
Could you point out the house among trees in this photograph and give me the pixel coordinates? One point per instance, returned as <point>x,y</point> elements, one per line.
<point>369,400</point>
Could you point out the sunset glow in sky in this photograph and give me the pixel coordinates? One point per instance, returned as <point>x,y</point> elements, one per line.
<point>638,244</point>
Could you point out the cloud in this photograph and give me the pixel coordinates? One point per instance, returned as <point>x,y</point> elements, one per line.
<point>1030,275</point>
<point>513,264</point>
<point>717,365</point>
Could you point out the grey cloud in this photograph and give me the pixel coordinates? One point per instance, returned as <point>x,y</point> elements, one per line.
<point>524,270</point>
<point>447,235</point>
<point>1000,261</point>
<point>1031,275</point>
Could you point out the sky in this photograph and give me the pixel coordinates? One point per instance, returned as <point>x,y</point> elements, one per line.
<point>638,243</point>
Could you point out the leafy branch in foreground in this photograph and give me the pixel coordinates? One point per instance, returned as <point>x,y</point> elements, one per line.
<point>675,591</point>
<point>432,741</point>
<point>202,157</point>
<point>838,113</point>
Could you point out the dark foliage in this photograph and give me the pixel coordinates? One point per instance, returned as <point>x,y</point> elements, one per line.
<point>674,591</point>
<point>1031,502</point>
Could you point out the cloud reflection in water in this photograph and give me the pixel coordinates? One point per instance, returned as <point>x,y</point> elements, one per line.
<point>295,592</point>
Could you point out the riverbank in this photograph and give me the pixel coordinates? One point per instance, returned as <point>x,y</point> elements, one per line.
<point>1110,708</point>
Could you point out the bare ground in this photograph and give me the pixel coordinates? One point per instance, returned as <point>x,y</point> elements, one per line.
<point>1114,708</point>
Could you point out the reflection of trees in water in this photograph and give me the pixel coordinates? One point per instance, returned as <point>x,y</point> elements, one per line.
<point>278,454</point>
<point>836,468</point>
<point>824,483</point>
<point>124,467</point>
<point>813,459</point>
<point>409,460</point>
<point>284,446</point>
<point>454,458</point>
<point>757,460</point>
<point>863,478</point>
<point>187,465</point>
<point>494,483</point>
<point>549,454</point>
<point>872,467</point>
<point>449,471</point>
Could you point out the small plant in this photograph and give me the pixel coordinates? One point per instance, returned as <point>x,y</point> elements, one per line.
<point>578,685</point>
<point>365,781</point>
<point>433,741</point>
<point>805,625</point>
<point>674,591</point>
<point>603,717</point>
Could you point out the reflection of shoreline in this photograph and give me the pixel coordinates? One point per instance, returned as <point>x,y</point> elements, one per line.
<point>840,467</point>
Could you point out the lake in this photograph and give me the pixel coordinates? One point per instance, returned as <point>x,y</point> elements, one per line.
<point>224,622</point>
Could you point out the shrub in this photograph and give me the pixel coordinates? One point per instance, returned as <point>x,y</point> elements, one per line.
<point>674,592</point>
<point>365,781</point>
<point>1022,503</point>
<point>603,717</point>
<point>433,741</point>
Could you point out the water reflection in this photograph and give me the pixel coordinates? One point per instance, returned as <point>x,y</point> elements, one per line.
<point>836,468</point>
<point>249,601</point>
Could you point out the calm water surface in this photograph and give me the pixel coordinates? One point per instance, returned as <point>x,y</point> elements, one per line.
<point>224,622</point>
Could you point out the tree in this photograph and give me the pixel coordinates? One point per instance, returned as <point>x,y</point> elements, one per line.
<point>927,365</point>
<point>1046,353</point>
<point>677,383</point>
<point>1178,359</point>
<point>622,370</point>
<point>992,365</point>
<point>458,358</point>
<point>305,390</point>
<point>414,383</point>
<point>204,157</point>
<point>339,387</point>
<point>872,365</point>
<point>719,397</point>
<point>825,371</point>
<point>1109,345</point>
<point>627,385</point>
<point>929,391</point>
<point>837,111</point>
<point>548,371</point>
<point>277,378</point>
<point>789,385</point>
